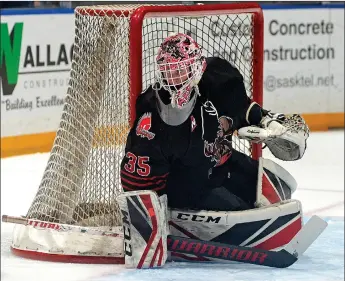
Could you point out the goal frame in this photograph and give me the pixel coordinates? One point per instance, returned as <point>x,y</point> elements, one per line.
<point>137,17</point>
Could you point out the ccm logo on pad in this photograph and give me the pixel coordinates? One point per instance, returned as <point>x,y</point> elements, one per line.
<point>198,218</point>
<point>127,233</point>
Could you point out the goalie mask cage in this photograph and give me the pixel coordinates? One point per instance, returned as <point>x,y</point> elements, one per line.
<point>74,216</point>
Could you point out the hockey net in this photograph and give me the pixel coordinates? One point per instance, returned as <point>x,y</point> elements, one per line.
<point>113,61</point>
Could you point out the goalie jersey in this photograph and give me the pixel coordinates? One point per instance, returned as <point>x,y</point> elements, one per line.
<point>179,160</point>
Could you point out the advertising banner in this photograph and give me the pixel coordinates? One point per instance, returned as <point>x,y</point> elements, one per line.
<point>303,68</point>
<point>304,60</point>
<point>35,61</point>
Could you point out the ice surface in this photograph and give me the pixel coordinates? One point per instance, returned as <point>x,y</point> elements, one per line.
<point>320,175</point>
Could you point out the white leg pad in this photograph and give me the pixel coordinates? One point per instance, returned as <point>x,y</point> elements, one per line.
<point>145,227</point>
<point>275,184</point>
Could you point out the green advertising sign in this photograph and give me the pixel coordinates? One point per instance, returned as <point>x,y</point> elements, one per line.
<point>10,56</point>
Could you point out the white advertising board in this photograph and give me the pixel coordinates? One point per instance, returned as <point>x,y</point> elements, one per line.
<point>35,62</point>
<point>303,70</point>
<point>304,60</point>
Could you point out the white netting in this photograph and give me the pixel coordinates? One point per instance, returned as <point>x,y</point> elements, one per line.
<point>82,176</point>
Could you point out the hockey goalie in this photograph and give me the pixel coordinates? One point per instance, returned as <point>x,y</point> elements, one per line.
<point>180,173</point>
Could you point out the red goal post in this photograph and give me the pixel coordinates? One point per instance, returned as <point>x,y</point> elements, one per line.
<point>74,216</point>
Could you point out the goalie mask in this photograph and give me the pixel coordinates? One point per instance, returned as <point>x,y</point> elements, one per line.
<point>180,65</point>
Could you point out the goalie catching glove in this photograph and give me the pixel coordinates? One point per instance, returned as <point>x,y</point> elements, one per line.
<point>285,135</point>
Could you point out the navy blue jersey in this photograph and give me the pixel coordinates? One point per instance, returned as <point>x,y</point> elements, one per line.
<point>178,160</point>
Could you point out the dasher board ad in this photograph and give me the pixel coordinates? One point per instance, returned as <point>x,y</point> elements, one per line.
<point>303,64</point>
<point>35,61</point>
<point>304,60</point>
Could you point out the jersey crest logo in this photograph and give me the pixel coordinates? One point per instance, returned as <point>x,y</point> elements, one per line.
<point>193,123</point>
<point>144,125</point>
<point>221,149</point>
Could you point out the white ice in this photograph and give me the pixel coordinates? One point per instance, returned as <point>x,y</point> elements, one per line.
<point>320,175</point>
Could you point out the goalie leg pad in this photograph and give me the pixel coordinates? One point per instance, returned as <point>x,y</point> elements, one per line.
<point>274,185</point>
<point>145,227</point>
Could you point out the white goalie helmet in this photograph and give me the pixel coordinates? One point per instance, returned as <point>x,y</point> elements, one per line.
<point>179,67</point>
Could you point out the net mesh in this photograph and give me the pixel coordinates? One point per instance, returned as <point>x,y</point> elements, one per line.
<point>82,177</point>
